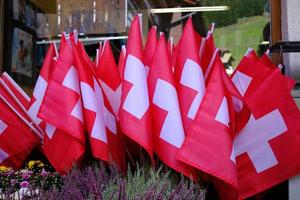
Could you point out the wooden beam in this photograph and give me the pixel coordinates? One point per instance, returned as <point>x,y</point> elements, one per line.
<point>47,6</point>
<point>276,35</point>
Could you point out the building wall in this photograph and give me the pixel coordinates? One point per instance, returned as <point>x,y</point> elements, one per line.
<point>290,20</point>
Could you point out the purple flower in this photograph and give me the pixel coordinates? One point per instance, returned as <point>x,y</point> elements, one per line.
<point>25,176</point>
<point>44,173</point>
<point>24,184</point>
<point>13,181</point>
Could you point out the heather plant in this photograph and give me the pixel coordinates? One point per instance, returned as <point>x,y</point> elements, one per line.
<point>97,182</point>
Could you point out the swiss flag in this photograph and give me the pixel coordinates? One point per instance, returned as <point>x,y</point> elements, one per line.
<point>108,76</point>
<point>17,139</point>
<point>93,103</point>
<point>41,84</point>
<point>150,47</point>
<point>18,106</point>
<point>61,111</point>
<point>208,147</point>
<point>16,90</point>
<point>135,117</point>
<point>61,105</point>
<point>207,50</point>
<point>61,149</point>
<point>266,149</point>
<point>166,119</point>
<point>188,76</point>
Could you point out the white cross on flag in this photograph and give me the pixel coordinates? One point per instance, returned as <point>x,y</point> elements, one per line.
<point>17,140</point>
<point>166,119</point>
<point>109,78</point>
<point>93,104</point>
<point>188,75</point>
<point>209,144</point>
<point>135,118</point>
<point>266,149</point>
<point>59,147</point>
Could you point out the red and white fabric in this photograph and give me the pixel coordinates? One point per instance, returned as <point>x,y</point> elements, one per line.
<point>135,116</point>
<point>166,118</point>
<point>61,110</point>
<point>17,139</point>
<point>208,147</point>
<point>150,47</point>
<point>93,104</point>
<point>207,50</point>
<point>16,89</point>
<point>188,76</point>
<point>265,150</point>
<point>121,63</point>
<point>109,78</point>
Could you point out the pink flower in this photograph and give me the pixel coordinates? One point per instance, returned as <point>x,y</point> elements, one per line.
<point>13,181</point>
<point>24,184</point>
<point>25,176</point>
<point>44,173</point>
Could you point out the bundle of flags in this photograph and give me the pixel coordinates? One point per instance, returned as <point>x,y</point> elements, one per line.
<point>176,102</point>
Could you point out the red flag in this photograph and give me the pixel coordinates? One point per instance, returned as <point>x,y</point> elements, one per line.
<point>16,89</point>
<point>188,76</point>
<point>209,145</point>
<point>150,47</point>
<point>109,78</point>
<point>260,149</point>
<point>207,50</point>
<point>135,118</point>
<point>121,63</point>
<point>61,149</point>
<point>61,111</point>
<point>16,137</point>
<point>166,119</point>
<point>170,46</point>
<point>63,94</point>
<point>18,106</point>
<point>93,104</point>
<point>41,84</point>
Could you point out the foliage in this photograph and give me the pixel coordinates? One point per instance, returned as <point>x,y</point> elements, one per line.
<point>100,182</point>
<point>239,37</point>
<point>238,9</point>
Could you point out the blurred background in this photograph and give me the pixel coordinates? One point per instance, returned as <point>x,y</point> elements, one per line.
<point>28,26</point>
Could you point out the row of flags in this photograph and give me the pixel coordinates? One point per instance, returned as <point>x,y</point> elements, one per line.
<point>240,131</point>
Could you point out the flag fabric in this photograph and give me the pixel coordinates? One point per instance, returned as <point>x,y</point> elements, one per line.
<point>166,118</point>
<point>60,111</point>
<point>41,84</point>
<point>93,103</point>
<point>109,79</point>
<point>188,76</point>
<point>16,89</point>
<point>17,139</point>
<point>170,46</point>
<point>135,117</point>
<point>260,148</point>
<point>207,51</point>
<point>208,147</point>
<point>121,63</point>
<point>63,94</point>
<point>150,47</point>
